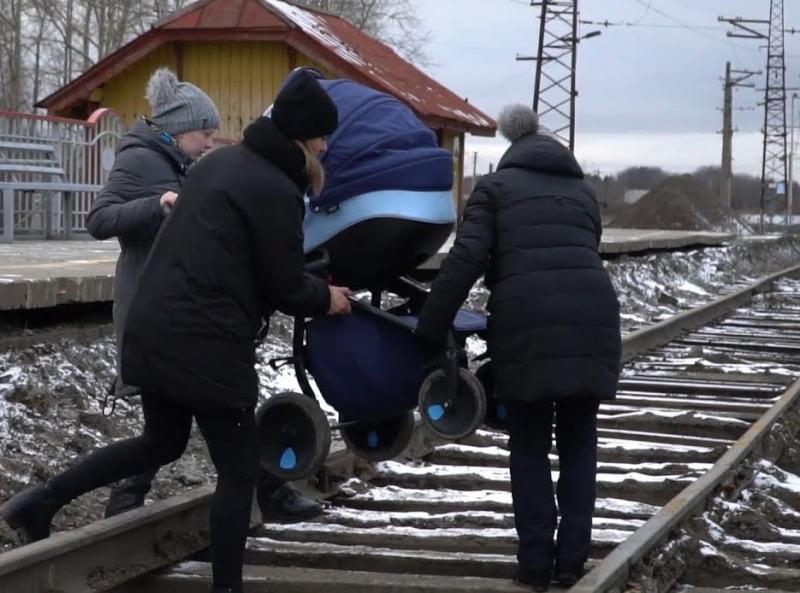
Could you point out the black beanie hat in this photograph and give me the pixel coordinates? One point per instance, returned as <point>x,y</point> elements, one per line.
<point>303,110</point>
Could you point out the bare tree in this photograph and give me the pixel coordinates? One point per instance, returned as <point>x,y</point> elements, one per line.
<point>161,8</point>
<point>68,31</point>
<point>36,48</point>
<point>12,93</point>
<point>45,43</point>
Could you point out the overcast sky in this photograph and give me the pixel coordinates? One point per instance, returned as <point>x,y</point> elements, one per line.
<point>648,95</point>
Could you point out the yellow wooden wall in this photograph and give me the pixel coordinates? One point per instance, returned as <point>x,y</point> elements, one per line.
<point>304,60</point>
<point>125,92</point>
<point>454,142</point>
<point>242,77</point>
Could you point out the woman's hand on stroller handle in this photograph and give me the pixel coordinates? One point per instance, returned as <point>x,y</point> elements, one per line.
<point>340,300</point>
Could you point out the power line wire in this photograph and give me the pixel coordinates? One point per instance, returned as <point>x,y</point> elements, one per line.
<point>677,24</point>
<point>674,19</point>
<point>646,12</point>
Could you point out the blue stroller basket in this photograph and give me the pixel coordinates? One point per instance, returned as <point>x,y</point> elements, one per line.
<point>386,364</point>
<point>375,372</point>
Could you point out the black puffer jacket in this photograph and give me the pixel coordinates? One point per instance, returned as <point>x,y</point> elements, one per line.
<point>128,207</point>
<point>534,228</point>
<point>230,253</point>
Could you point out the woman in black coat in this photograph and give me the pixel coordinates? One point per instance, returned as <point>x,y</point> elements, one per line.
<point>230,254</point>
<point>149,171</point>
<point>533,228</point>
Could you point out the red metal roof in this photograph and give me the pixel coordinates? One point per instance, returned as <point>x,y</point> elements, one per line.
<point>328,39</point>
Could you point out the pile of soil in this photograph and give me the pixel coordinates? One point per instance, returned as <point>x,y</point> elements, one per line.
<point>679,203</point>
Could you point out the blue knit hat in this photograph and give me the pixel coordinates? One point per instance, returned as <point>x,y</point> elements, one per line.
<point>179,107</point>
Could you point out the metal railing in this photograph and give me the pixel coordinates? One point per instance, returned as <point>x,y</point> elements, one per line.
<point>45,159</point>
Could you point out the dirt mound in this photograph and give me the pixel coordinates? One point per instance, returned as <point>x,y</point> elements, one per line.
<point>681,203</point>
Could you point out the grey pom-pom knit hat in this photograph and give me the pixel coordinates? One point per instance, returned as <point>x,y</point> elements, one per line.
<point>179,107</point>
<point>517,121</point>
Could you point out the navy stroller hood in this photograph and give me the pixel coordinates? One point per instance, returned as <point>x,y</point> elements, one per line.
<point>379,144</point>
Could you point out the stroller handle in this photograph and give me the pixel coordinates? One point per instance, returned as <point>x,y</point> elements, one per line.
<point>394,320</point>
<point>380,313</point>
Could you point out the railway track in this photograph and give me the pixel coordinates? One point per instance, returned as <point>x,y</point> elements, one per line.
<point>700,397</point>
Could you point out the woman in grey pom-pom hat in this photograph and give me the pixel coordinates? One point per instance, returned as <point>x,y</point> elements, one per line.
<point>533,228</point>
<point>148,173</point>
<point>149,170</point>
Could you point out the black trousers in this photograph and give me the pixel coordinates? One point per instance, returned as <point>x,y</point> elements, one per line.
<point>530,428</point>
<point>231,438</point>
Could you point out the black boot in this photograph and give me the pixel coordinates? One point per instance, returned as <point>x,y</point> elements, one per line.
<point>537,580</point>
<point>568,573</point>
<point>30,513</point>
<point>123,499</point>
<point>129,494</point>
<point>286,505</point>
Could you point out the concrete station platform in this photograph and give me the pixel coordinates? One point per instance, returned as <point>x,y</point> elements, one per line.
<point>41,274</point>
<point>632,241</point>
<point>624,241</point>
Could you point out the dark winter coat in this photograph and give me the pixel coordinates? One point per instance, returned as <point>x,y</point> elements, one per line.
<point>129,208</point>
<point>230,254</point>
<point>534,228</point>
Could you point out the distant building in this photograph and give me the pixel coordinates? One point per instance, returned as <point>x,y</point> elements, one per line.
<point>634,195</point>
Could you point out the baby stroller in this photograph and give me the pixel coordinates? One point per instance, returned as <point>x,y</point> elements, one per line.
<point>387,207</point>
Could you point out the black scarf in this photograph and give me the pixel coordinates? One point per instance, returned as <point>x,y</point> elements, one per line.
<point>263,138</point>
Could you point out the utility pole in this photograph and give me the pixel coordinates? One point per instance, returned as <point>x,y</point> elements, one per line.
<point>790,189</point>
<point>474,168</point>
<point>555,88</point>
<point>733,79</point>
<point>774,162</point>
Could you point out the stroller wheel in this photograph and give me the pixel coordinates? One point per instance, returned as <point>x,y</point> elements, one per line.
<point>496,411</point>
<point>449,417</point>
<point>379,440</point>
<point>294,436</point>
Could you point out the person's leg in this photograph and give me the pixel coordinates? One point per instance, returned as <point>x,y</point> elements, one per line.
<point>530,428</point>
<point>231,438</point>
<point>165,434</point>
<point>576,440</point>
<point>280,502</point>
<point>163,440</point>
